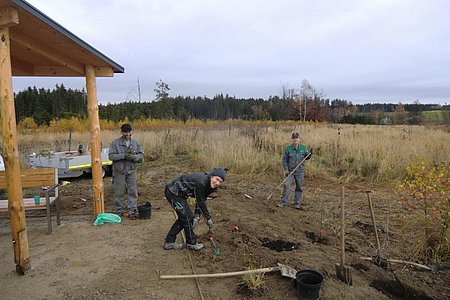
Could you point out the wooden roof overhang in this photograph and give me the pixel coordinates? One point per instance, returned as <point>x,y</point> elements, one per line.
<point>42,47</point>
<point>32,44</point>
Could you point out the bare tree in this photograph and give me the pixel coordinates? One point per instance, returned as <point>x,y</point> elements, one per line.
<point>306,93</point>
<point>286,92</point>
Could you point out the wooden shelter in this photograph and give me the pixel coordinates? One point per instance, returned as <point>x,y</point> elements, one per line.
<point>32,44</point>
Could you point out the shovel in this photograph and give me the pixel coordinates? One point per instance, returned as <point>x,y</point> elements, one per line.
<point>343,272</point>
<point>286,271</point>
<point>216,249</point>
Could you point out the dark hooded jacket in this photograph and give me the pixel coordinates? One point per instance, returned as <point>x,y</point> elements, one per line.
<point>195,185</point>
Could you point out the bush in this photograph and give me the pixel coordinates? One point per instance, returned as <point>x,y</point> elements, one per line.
<point>425,192</point>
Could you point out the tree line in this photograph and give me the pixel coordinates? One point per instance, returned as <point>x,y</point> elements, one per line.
<point>44,105</point>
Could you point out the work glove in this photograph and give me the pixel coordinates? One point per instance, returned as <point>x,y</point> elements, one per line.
<point>195,221</point>
<point>209,222</point>
<point>130,156</point>
<point>286,174</point>
<point>310,154</point>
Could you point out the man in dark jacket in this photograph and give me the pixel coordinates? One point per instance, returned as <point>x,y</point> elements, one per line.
<point>198,186</point>
<point>293,155</point>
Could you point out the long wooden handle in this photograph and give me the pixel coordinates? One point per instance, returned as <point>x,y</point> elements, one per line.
<point>372,215</point>
<point>292,172</point>
<point>402,262</point>
<point>263,270</point>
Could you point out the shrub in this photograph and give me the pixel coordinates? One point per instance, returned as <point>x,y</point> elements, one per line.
<point>425,193</point>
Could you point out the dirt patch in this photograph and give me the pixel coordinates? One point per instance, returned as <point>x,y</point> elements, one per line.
<point>397,290</point>
<point>317,238</point>
<point>124,261</point>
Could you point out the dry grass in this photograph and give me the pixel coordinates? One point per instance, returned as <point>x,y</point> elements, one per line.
<point>350,152</point>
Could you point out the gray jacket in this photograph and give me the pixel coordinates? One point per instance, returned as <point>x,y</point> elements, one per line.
<point>117,154</point>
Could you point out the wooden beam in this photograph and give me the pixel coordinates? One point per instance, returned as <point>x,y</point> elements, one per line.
<point>20,67</point>
<point>104,72</point>
<point>49,53</point>
<point>55,71</point>
<point>94,125</point>
<point>8,17</point>
<point>11,155</point>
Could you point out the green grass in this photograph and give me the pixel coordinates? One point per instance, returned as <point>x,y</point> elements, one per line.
<point>434,116</point>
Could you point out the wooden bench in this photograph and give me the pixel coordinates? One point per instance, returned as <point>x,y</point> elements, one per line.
<point>45,179</point>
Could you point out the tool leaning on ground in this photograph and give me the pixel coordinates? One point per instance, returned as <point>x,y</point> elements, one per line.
<point>383,262</point>
<point>216,249</point>
<point>285,270</point>
<point>343,272</point>
<point>292,172</point>
<point>372,215</point>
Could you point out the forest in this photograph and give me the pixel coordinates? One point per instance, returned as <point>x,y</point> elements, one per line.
<point>45,105</point>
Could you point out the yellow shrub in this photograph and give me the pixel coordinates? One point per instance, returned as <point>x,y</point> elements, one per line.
<point>425,192</point>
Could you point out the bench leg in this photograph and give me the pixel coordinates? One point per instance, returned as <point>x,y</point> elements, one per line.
<point>49,217</point>
<point>58,212</point>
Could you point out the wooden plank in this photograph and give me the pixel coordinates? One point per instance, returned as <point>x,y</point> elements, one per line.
<point>32,178</point>
<point>28,204</point>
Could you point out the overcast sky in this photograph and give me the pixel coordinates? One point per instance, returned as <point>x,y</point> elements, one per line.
<point>357,50</point>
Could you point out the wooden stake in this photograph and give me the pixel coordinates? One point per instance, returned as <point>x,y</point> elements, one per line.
<point>343,272</point>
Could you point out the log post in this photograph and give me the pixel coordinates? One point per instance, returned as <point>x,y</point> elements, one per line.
<point>9,17</point>
<point>94,125</point>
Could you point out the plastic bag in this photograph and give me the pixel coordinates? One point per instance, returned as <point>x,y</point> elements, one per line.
<point>107,218</point>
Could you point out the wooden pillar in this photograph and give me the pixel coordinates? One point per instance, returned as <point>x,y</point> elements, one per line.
<point>8,17</point>
<point>94,125</point>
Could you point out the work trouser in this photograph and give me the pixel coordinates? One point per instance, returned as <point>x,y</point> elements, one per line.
<point>119,182</point>
<point>184,220</point>
<point>298,178</point>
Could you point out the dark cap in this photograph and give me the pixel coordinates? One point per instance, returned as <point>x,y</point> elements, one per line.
<point>126,128</point>
<point>219,172</point>
<point>295,135</point>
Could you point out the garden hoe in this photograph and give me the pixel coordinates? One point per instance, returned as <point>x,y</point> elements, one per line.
<point>343,272</point>
<point>286,271</point>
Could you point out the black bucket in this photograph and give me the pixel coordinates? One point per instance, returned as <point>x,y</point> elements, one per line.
<point>308,283</point>
<point>145,210</point>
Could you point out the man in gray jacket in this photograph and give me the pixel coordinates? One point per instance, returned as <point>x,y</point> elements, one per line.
<point>125,153</point>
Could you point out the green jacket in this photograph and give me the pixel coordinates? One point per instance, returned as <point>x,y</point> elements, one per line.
<point>292,157</point>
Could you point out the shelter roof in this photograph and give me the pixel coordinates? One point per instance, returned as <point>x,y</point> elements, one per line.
<point>42,47</point>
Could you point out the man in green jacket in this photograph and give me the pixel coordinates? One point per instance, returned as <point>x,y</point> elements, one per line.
<point>294,155</point>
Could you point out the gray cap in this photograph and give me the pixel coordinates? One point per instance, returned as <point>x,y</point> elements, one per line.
<point>295,135</point>
<point>219,172</point>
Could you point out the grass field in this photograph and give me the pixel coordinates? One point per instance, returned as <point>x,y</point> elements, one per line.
<point>361,152</point>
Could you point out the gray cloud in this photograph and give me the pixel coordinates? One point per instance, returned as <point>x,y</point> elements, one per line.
<point>362,51</point>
